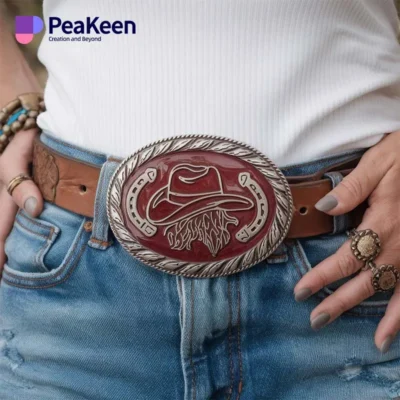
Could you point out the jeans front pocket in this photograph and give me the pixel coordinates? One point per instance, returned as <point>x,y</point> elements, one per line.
<point>29,242</point>
<point>41,251</point>
<point>308,253</point>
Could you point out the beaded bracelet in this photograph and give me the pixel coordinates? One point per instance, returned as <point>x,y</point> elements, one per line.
<point>19,115</point>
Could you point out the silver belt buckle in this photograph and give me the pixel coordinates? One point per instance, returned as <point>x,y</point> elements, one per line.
<point>199,206</point>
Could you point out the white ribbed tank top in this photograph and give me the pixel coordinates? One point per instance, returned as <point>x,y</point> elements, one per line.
<point>297,79</point>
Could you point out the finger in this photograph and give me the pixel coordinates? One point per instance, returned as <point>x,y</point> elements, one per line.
<point>340,265</point>
<point>358,185</point>
<point>14,161</point>
<point>389,326</point>
<point>9,210</point>
<point>346,297</point>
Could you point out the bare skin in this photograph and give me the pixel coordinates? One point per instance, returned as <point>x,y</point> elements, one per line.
<point>376,178</point>
<point>15,78</point>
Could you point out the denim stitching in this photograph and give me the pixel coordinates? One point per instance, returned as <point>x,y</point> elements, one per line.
<point>71,255</point>
<point>41,252</point>
<point>191,340</point>
<point>363,306</point>
<point>42,248</point>
<point>290,246</point>
<point>102,243</point>
<point>96,207</point>
<point>35,221</point>
<point>71,270</point>
<point>180,289</point>
<point>66,262</point>
<point>302,258</point>
<point>239,339</point>
<point>340,222</point>
<point>45,246</point>
<point>103,231</point>
<point>232,376</point>
<point>35,233</point>
<point>353,314</point>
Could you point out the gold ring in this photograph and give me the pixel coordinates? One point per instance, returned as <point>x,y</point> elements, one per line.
<point>366,246</point>
<point>16,182</point>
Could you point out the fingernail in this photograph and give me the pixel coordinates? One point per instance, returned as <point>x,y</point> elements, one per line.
<point>327,203</point>
<point>30,205</point>
<point>386,344</point>
<point>320,321</point>
<point>302,294</point>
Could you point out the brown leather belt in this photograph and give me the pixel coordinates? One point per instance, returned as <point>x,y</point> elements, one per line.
<point>72,184</point>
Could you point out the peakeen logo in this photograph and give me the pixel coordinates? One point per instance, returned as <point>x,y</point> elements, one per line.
<point>89,29</point>
<point>26,27</point>
<point>91,26</point>
<point>77,31</point>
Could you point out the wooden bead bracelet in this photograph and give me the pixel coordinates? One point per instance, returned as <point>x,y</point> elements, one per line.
<point>19,115</point>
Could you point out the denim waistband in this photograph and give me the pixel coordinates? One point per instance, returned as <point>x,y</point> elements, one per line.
<point>101,231</point>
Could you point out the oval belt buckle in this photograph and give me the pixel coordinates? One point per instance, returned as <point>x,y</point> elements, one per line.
<point>199,206</point>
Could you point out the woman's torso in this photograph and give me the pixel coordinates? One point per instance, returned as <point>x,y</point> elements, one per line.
<point>298,80</point>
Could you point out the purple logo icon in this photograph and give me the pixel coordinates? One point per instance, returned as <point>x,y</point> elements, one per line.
<point>26,26</point>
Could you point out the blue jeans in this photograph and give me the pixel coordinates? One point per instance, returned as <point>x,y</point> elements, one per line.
<point>81,319</point>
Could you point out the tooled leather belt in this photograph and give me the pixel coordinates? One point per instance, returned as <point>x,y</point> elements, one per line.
<point>195,206</point>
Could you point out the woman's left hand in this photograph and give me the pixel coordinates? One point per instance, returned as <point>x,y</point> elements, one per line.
<point>377,177</point>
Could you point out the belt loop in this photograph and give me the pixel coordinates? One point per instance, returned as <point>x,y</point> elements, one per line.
<point>340,222</point>
<point>100,238</point>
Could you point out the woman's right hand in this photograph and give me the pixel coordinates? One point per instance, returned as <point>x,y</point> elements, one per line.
<point>14,161</point>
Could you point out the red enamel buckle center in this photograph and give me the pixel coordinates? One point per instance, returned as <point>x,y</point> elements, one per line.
<point>199,206</point>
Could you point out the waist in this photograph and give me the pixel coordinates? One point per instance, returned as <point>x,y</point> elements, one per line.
<point>69,177</point>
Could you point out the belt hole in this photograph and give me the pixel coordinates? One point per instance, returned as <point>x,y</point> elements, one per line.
<point>303,210</point>
<point>83,189</point>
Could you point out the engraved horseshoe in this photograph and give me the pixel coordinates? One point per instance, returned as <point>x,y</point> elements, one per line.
<point>140,223</point>
<point>249,231</point>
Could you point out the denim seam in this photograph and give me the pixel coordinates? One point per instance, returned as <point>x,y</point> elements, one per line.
<point>239,339</point>
<point>191,340</point>
<point>291,246</point>
<point>48,237</point>
<point>340,222</point>
<point>66,265</point>
<point>41,253</point>
<point>363,306</point>
<point>231,371</point>
<point>353,314</point>
<point>180,289</point>
<point>30,231</point>
<point>71,270</point>
<point>101,242</point>
<point>103,230</point>
<point>45,245</point>
<point>37,223</point>
<point>96,208</point>
<point>99,185</point>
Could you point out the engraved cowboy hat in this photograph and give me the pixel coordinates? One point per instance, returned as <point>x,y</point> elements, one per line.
<point>192,190</point>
